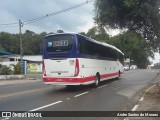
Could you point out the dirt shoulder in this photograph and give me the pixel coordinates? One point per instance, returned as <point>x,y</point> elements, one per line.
<point>19,81</point>
<point>150,100</point>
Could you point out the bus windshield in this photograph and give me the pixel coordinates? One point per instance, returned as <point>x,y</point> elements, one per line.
<point>59,43</point>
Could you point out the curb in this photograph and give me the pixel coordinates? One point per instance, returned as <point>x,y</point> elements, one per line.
<point>11,77</point>
<point>15,82</point>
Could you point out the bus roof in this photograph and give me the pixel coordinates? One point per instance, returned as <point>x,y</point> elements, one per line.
<point>102,43</point>
<point>113,47</point>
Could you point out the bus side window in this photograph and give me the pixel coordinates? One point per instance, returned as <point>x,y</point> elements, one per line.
<point>121,58</point>
<point>81,45</point>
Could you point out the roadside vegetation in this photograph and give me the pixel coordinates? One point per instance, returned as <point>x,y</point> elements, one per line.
<point>17,68</point>
<point>4,70</point>
<point>154,93</point>
<point>13,69</point>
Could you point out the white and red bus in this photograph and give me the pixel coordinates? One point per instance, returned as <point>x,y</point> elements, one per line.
<point>74,59</point>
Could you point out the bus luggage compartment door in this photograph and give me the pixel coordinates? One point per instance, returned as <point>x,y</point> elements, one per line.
<point>60,67</point>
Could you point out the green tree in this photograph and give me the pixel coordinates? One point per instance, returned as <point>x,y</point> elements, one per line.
<point>39,40</point>
<point>141,16</point>
<point>9,42</point>
<point>82,33</point>
<point>17,68</point>
<point>4,70</point>
<point>98,33</point>
<point>27,42</point>
<point>133,46</point>
<point>31,42</point>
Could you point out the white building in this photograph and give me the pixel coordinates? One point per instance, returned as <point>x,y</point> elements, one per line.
<point>34,62</point>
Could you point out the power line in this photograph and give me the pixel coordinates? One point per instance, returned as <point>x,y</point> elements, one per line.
<point>45,16</point>
<point>55,13</point>
<point>10,23</point>
<point>9,26</point>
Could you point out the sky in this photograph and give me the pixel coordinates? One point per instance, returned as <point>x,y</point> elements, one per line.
<point>75,20</point>
<point>156,58</point>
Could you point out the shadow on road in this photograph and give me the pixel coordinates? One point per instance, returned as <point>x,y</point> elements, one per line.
<point>80,88</point>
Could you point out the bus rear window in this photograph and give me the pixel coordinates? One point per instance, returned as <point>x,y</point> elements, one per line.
<point>59,43</point>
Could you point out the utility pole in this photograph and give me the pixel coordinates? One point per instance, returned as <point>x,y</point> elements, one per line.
<point>20,37</point>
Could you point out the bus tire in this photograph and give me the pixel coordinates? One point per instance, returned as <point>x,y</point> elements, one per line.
<point>97,81</point>
<point>119,74</point>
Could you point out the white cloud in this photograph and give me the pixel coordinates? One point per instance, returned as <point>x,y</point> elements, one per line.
<point>156,58</point>
<point>89,24</point>
<point>13,10</point>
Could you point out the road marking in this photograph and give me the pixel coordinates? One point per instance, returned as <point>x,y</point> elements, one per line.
<point>68,98</point>
<point>81,94</point>
<point>45,106</point>
<point>142,98</point>
<point>150,88</point>
<point>22,92</point>
<point>135,108</point>
<point>102,86</point>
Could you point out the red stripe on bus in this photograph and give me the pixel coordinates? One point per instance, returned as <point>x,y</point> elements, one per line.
<point>109,75</point>
<point>77,80</point>
<point>73,80</point>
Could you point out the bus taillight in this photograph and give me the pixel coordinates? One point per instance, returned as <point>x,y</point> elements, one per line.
<point>43,68</point>
<point>76,68</point>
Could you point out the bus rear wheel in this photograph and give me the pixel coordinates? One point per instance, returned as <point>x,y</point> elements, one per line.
<point>97,81</point>
<point>119,75</point>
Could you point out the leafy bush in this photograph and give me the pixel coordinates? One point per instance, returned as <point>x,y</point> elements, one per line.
<point>17,68</point>
<point>4,70</point>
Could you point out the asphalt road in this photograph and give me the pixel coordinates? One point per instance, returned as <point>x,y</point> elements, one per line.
<point>111,95</point>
